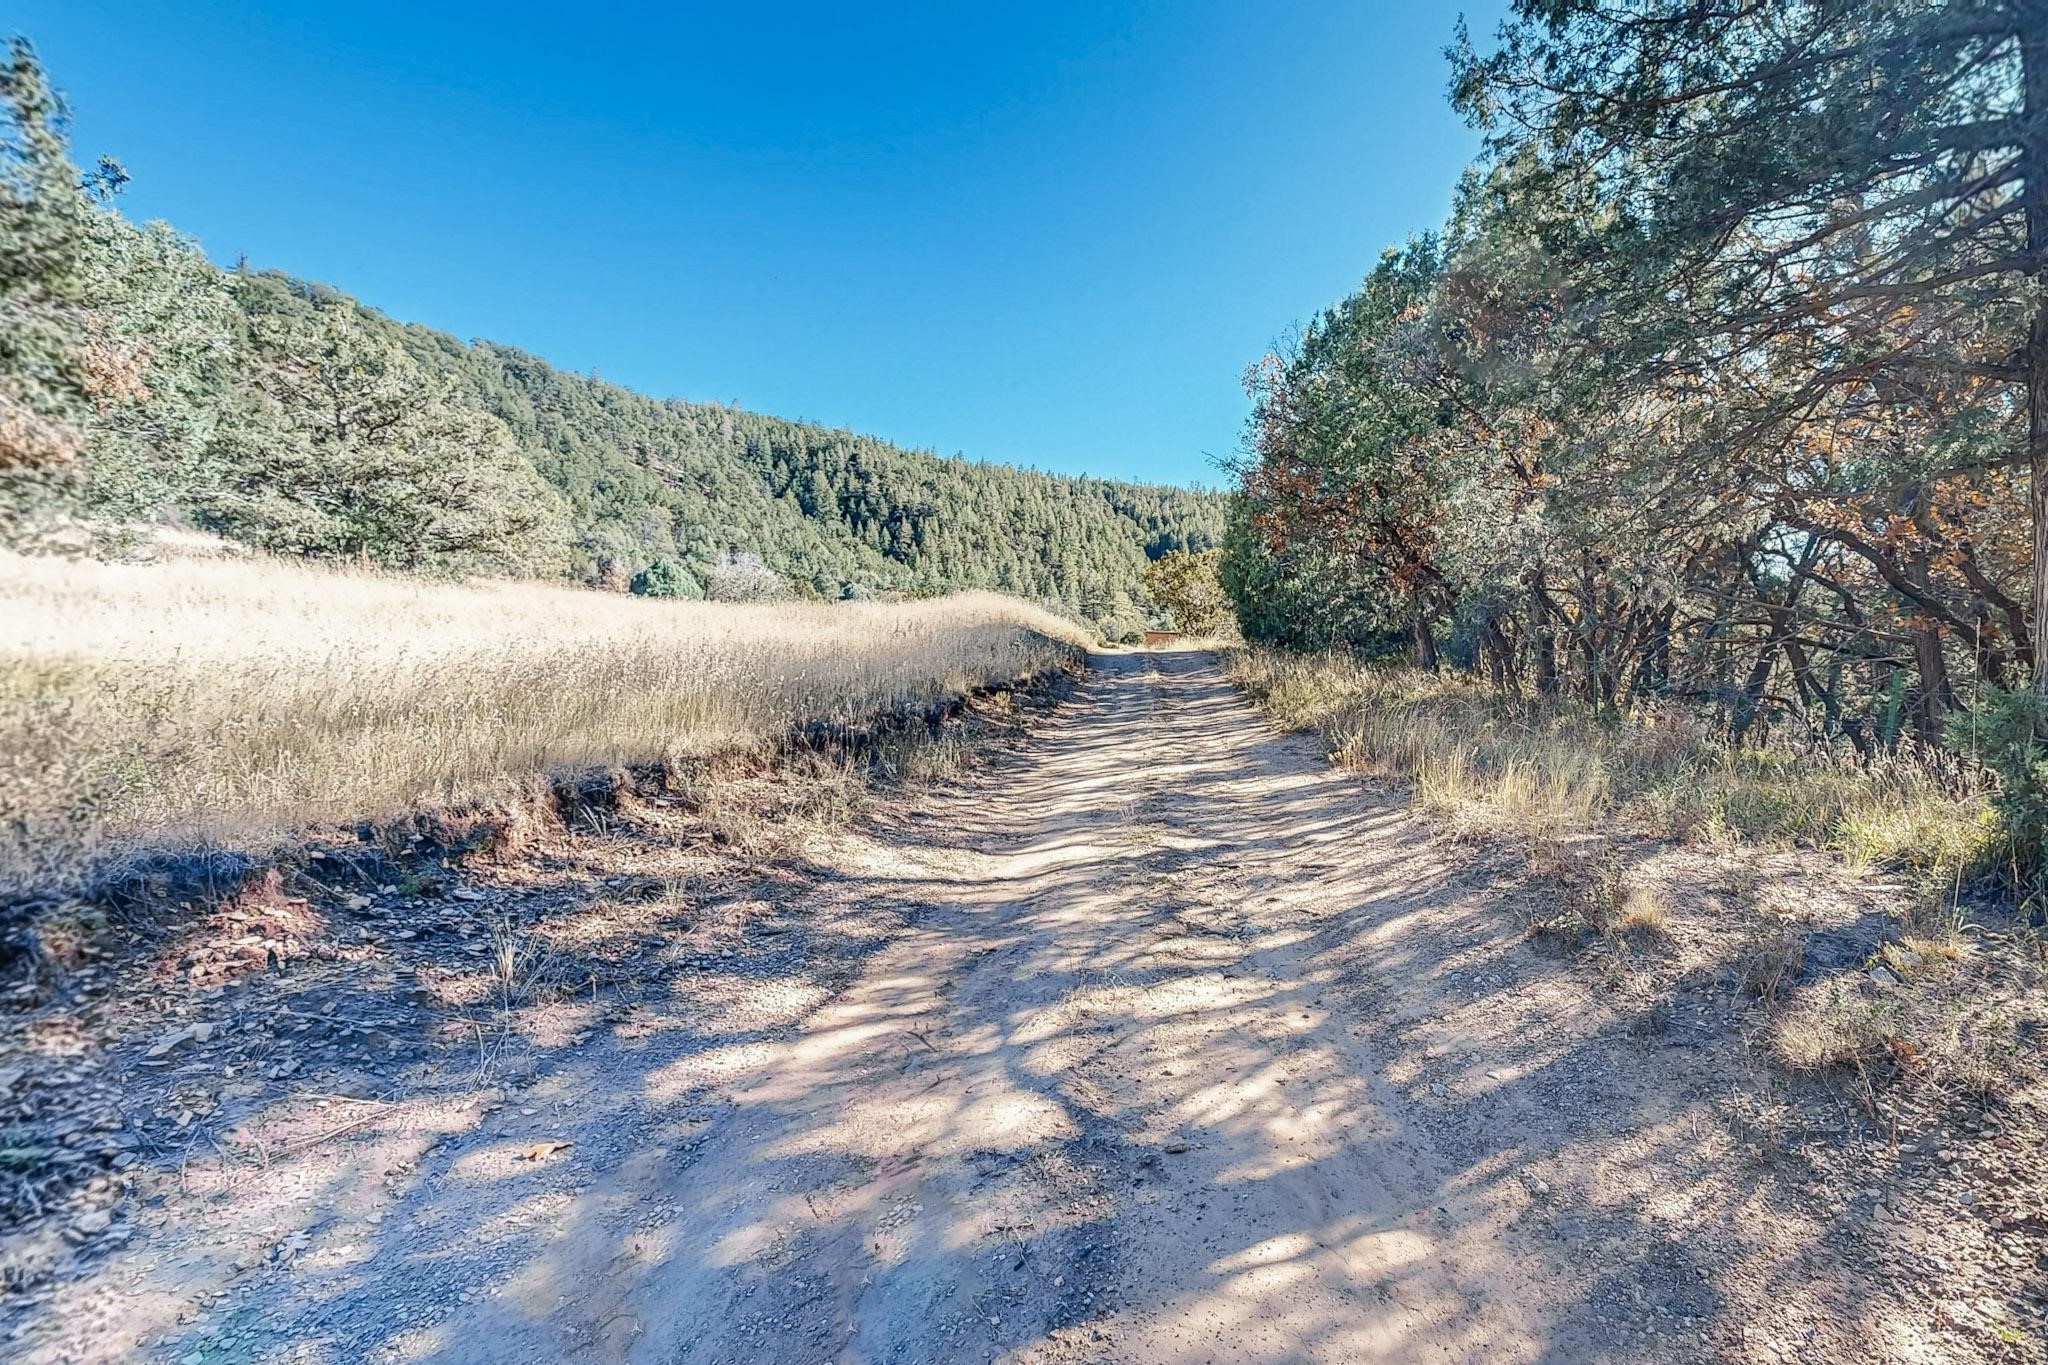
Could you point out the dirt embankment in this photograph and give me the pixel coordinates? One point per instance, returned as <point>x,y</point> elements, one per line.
<point>1154,1040</point>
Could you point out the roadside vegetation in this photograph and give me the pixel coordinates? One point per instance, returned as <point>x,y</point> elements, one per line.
<point>1694,449</point>
<point>227,701</point>
<point>1486,765</point>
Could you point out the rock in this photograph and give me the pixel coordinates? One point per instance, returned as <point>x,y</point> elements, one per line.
<point>1883,977</point>
<point>175,1038</point>
<point>466,893</point>
<point>92,1223</point>
<point>1174,1148</point>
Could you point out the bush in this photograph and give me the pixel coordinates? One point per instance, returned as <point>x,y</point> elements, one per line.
<point>742,576</point>
<point>2009,731</point>
<point>663,579</point>
<point>1187,586</point>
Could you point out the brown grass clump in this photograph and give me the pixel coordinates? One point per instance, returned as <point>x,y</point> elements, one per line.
<point>227,702</point>
<point>1771,957</point>
<point>1643,912</point>
<point>1835,1027</point>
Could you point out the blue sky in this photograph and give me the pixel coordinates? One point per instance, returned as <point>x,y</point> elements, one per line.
<point>1049,234</point>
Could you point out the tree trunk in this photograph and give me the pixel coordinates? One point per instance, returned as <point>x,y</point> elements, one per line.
<point>1654,676</point>
<point>1750,700</point>
<point>1500,662</point>
<point>1540,644</point>
<point>1936,697</point>
<point>1425,640</point>
<point>2033,32</point>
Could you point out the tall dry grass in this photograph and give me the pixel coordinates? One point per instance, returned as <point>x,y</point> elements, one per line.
<point>222,701</point>
<point>1482,765</point>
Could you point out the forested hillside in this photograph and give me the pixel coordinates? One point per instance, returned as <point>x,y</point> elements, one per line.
<point>142,384</point>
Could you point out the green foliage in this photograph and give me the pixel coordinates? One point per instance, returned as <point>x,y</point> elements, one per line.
<point>1292,595</point>
<point>348,448</point>
<point>1185,584</point>
<point>173,319</point>
<point>2009,730</point>
<point>663,579</point>
<point>1723,382</point>
<point>47,377</point>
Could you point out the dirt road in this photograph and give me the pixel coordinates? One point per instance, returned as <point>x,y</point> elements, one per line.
<point>1158,1041</point>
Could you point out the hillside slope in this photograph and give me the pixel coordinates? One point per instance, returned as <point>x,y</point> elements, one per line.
<point>289,415</point>
<point>648,479</point>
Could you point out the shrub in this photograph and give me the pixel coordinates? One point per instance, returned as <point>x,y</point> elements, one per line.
<point>663,579</point>
<point>742,576</point>
<point>1186,585</point>
<point>2009,730</point>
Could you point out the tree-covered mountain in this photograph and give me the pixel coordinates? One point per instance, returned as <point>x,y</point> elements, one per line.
<point>147,385</point>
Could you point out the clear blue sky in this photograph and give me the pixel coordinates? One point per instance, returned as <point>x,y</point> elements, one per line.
<point>1044,233</point>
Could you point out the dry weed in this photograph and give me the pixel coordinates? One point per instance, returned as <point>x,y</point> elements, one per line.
<point>522,963</point>
<point>1770,958</point>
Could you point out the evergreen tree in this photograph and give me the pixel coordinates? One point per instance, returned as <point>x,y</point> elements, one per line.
<point>48,371</point>
<point>348,449</point>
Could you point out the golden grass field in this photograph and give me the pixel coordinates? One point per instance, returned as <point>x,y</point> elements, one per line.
<point>233,700</point>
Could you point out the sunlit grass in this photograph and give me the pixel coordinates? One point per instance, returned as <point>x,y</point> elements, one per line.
<point>226,701</point>
<point>1484,765</point>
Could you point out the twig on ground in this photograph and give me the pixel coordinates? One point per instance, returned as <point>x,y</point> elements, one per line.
<point>295,1148</point>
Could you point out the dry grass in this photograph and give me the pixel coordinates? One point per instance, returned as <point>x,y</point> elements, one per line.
<point>1485,767</point>
<point>1947,1009</point>
<point>210,702</point>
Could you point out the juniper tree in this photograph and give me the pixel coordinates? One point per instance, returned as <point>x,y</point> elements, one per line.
<point>347,448</point>
<point>1823,210</point>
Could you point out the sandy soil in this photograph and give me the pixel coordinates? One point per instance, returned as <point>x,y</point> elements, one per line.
<point>1155,1041</point>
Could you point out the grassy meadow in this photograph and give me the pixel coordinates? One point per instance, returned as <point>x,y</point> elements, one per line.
<point>228,701</point>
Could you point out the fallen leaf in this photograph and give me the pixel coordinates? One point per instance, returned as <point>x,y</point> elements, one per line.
<point>541,1151</point>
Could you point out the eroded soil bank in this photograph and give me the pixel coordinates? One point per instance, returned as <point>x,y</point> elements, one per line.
<point>1153,1040</point>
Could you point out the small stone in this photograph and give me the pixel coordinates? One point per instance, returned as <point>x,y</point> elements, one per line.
<point>175,1038</point>
<point>92,1223</point>
<point>1174,1148</point>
